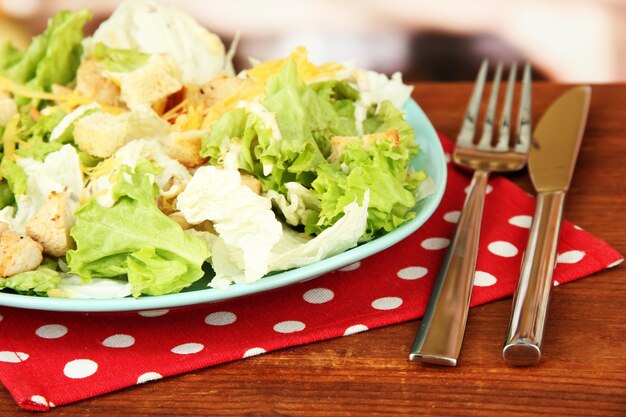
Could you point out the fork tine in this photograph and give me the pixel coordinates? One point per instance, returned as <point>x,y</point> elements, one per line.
<point>504,131</point>
<point>468,128</point>
<point>522,132</point>
<point>485,138</point>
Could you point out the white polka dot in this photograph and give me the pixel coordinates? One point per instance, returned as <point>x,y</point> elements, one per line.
<point>448,157</point>
<point>452,216</point>
<point>289,326</point>
<point>614,264</point>
<point>13,357</point>
<point>253,352</point>
<point>435,243</point>
<point>318,296</point>
<point>387,303</point>
<point>148,376</point>
<point>153,313</point>
<point>38,399</point>
<point>412,272</point>
<point>484,279</point>
<point>80,368</point>
<point>555,283</point>
<point>51,331</point>
<point>351,267</point>
<point>521,221</point>
<point>1,317</point>
<point>188,348</point>
<point>220,318</point>
<point>578,227</point>
<point>119,341</point>
<point>357,328</point>
<point>502,248</point>
<point>570,257</point>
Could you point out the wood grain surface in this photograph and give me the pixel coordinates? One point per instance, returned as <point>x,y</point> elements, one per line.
<point>583,372</point>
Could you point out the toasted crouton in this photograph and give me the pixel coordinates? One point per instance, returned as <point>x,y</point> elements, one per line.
<point>8,110</point>
<point>339,143</point>
<point>146,85</point>
<point>91,83</point>
<point>101,134</point>
<point>221,87</point>
<point>185,147</point>
<point>17,253</point>
<point>51,225</point>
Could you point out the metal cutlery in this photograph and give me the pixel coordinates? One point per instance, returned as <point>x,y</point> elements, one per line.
<point>551,162</point>
<point>441,333</point>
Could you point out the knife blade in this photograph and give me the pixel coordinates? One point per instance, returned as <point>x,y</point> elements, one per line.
<point>551,162</point>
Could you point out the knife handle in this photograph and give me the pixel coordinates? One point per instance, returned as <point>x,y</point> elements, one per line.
<point>440,336</point>
<point>524,336</point>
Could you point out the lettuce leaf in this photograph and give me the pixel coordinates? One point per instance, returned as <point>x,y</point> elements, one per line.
<point>15,176</point>
<point>35,135</point>
<point>119,60</point>
<point>39,281</point>
<point>306,117</point>
<point>378,165</point>
<point>136,239</point>
<point>52,57</point>
<point>7,197</point>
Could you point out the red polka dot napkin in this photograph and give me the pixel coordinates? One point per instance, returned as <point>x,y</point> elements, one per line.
<point>52,358</point>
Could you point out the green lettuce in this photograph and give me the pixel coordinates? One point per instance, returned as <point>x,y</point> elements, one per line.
<point>136,239</point>
<point>35,135</point>
<point>15,176</point>
<point>52,57</point>
<point>38,282</point>
<point>119,60</point>
<point>307,117</point>
<point>7,197</point>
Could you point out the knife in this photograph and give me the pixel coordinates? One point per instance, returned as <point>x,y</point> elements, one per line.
<point>551,161</point>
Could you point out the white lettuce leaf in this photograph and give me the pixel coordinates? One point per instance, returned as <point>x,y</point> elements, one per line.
<point>246,225</point>
<point>153,28</point>
<point>294,251</point>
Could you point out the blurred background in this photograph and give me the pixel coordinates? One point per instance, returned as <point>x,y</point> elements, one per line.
<point>444,40</point>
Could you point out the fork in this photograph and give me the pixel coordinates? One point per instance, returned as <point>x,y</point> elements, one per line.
<point>440,335</point>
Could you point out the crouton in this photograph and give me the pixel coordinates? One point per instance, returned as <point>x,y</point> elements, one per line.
<point>17,253</point>
<point>51,225</point>
<point>220,88</point>
<point>185,147</point>
<point>339,143</point>
<point>91,83</point>
<point>101,134</point>
<point>146,85</point>
<point>8,110</point>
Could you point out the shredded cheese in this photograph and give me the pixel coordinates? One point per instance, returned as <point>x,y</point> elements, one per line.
<point>67,101</point>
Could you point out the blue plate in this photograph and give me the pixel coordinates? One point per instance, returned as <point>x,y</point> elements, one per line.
<point>431,159</point>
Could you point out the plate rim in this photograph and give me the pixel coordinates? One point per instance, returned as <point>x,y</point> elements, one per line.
<point>281,279</point>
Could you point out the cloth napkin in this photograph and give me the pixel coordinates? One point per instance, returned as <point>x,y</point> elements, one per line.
<point>55,358</point>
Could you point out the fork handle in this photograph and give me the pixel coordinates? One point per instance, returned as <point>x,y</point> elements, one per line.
<point>441,333</point>
<point>524,336</point>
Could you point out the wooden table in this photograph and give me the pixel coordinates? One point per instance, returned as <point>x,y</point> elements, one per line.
<point>583,372</point>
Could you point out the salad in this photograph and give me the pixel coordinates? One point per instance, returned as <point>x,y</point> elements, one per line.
<point>135,160</point>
